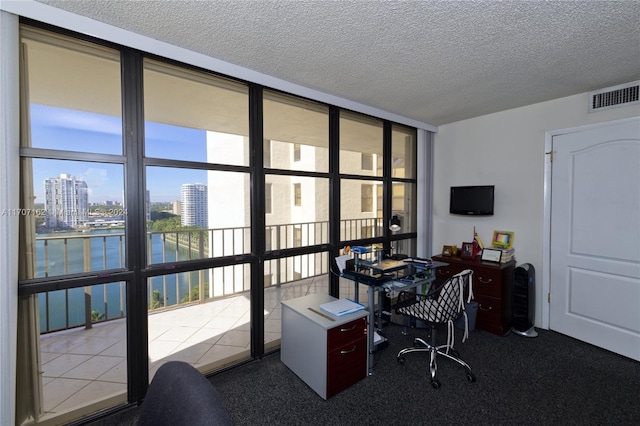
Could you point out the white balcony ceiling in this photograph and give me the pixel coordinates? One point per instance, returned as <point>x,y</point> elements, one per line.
<point>432,61</point>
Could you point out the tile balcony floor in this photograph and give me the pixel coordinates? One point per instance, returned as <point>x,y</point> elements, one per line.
<point>85,370</point>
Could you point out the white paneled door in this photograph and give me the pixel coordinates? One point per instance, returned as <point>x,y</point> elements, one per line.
<point>595,236</point>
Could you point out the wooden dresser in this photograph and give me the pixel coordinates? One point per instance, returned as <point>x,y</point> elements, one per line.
<point>492,284</point>
<point>328,355</point>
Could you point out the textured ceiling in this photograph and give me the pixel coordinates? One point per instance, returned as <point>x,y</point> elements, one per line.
<point>432,61</point>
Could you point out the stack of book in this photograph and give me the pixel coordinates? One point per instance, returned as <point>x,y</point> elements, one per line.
<point>507,254</point>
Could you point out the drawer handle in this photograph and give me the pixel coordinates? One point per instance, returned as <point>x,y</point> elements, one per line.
<point>484,281</point>
<point>485,309</point>
<point>353,327</point>
<point>348,352</point>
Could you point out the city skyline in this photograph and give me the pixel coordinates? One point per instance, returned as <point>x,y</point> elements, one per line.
<point>106,202</point>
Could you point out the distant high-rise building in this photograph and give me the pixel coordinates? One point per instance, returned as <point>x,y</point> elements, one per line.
<point>66,201</point>
<point>147,205</point>
<point>194,205</point>
<point>176,207</point>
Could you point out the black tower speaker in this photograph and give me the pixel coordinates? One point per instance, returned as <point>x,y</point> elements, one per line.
<point>524,301</point>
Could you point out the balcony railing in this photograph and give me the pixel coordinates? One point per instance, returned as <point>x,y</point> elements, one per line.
<point>68,253</point>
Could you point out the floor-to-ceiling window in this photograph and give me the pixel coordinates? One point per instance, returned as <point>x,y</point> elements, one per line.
<point>72,229</point>
<point>403,186</point>
<point>169,211</point>
<point>197,180</point>
<point>296,176</point>
<point>377,182</point>
<point>361,168</point>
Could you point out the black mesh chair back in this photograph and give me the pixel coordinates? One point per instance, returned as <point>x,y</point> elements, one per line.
<point>438,306</point>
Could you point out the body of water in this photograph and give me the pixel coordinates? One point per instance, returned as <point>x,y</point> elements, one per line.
<point>64,254</point>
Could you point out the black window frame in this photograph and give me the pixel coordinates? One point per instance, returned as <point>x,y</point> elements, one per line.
<point>135,276</point>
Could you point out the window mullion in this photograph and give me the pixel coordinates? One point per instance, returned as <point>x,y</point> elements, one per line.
<point>256,143</point>
<point>133,130</point>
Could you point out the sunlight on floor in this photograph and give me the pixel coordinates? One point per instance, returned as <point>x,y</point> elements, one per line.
<point>86,370</point>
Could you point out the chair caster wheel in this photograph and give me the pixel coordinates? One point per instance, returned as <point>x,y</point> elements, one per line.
<point>471,377</point>
<point>401,360</point>
<point>435,384</point>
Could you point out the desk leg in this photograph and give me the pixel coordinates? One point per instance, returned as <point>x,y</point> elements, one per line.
<point>381,295</point>
<point>370,329</point>
<point>356,291</point>
<point>406,323</point>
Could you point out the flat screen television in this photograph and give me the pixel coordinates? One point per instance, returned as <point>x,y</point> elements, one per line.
<point>472,200</point>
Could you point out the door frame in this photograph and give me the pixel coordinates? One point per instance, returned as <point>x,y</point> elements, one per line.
<point>546,226</point>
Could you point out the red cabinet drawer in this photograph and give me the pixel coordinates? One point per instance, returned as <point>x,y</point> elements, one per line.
<point>346,365</point>
<point>339,336</point>
<point>445,272</point>
<point>487,281</point>
<point>489,309</point>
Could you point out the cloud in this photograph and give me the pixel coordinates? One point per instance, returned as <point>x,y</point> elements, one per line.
<point>95,177</point>
<point>47,116</point>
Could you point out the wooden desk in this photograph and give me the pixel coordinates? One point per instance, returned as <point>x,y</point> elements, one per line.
<point>491,288</point>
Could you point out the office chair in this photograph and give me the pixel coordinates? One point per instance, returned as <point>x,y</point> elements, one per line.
<point>442,304</point>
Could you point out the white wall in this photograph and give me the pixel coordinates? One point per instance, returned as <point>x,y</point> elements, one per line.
<point>505,149</point>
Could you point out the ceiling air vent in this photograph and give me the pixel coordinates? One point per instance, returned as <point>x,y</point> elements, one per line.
<point>611,97</point>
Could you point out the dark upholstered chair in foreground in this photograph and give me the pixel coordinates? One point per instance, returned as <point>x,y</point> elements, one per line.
<point>180,395</point>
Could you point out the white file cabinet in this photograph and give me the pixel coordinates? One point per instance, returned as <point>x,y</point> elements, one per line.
<point>328,353</point>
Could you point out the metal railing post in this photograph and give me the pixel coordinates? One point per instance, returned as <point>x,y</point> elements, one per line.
<point>87,290</point>
<point>278,260</point>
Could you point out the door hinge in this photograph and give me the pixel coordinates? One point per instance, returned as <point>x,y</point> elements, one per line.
<point>550,154</point>
<point>548,297</point>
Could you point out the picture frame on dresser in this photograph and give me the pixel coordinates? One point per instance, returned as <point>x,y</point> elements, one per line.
<point>491,255</point>
<point>467,251</point>
<point>502,239</point>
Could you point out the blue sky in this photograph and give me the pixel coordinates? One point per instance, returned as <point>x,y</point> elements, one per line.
<point>58,128</point>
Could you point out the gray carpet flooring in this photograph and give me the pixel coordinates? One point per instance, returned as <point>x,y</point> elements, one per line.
<point>550,379</point>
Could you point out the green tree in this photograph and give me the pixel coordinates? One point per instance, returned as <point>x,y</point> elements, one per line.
<point>96,316</point>
<point>157,301</point>
<point>167,224</point>
<point>193,295</point>
<point>160,215</point>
